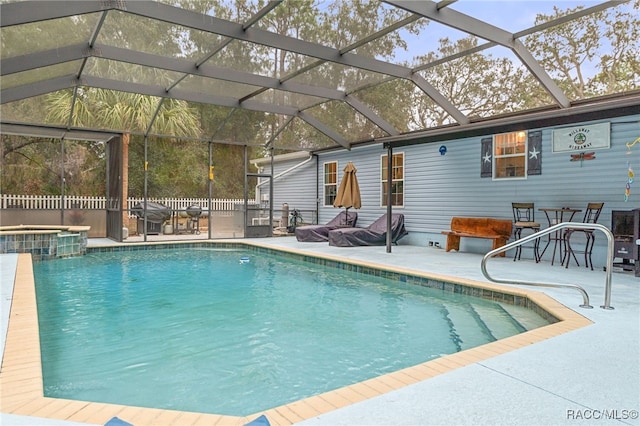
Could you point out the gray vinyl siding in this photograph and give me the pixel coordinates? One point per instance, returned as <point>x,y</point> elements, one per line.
<point>438,187</point>
<point>295,187</point>
<point>367,163</point>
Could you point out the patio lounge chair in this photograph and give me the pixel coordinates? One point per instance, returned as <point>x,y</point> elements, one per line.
<point>373,235</point>
<point>320,233</point>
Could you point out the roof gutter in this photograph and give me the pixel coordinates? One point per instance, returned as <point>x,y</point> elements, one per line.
<point>586,110</point>
<point>289,170</point>
<point>609,108</point>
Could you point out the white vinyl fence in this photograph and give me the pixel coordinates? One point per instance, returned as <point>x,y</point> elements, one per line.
<point>55,202</point>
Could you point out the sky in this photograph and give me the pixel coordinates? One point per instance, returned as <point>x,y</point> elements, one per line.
<point>514,15</point>
<point>510,15</point>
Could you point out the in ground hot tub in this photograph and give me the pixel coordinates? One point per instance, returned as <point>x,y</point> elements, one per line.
<point>44,242</point>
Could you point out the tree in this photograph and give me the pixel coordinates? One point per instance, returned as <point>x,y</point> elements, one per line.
<point>478,84</point>
<point>345,24</point>
<point>594,55</point>
<point>108,109</point>
<point>620,69</point>
<point>30,165</point>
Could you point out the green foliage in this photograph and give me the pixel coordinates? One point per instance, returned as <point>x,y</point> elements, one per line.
<point>121,111</point>
<point>176,168</point>
<point>33,166</point>
<point>44,35</point>
<point>594,55</point>
<point>478,84</point>
<point>179,168</point>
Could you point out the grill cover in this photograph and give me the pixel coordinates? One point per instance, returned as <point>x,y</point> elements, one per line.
<point>156,212</point>
<point>194,210</point>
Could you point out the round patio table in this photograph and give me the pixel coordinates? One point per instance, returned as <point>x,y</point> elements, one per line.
<point>554,216</point>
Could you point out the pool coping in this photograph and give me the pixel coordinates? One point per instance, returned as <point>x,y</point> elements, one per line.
<point>42,229</point>
<point>21,373</point>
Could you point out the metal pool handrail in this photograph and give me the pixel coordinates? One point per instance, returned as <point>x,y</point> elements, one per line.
<point>542,233</point>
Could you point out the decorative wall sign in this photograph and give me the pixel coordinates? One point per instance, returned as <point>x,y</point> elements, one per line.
<point>579,138</point>
<point>583,156</point>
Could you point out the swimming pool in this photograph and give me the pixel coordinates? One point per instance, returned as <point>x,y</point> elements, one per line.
<point>304,338</point>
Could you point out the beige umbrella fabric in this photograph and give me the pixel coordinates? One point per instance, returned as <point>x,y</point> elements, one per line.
<point>349,192</point>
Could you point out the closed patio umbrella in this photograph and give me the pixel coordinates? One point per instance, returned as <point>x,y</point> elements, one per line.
<point>349,192</point>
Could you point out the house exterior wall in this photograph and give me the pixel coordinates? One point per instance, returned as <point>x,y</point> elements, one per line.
<point>295,184</point>
<point>438,187</point>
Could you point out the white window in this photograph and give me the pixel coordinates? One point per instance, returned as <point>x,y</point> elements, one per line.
<point>397,180</point>
<point>510,155</point>
<point>330,183</point>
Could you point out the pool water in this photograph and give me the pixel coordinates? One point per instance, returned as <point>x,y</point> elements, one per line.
<point>202,330</point>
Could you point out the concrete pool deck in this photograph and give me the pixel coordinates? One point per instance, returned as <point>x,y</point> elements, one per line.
<point>589,375</point>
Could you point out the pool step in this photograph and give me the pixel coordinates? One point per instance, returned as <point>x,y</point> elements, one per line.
<point>464,326</point>
<point>499,321</point>
<point>526,317</point>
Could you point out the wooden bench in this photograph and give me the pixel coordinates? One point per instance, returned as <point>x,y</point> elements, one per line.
<point>498,230</point>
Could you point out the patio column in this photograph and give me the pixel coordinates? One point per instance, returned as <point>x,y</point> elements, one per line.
<point>125,179</point>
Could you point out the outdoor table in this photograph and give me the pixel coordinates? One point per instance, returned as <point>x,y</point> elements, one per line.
<point>555,216</point>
